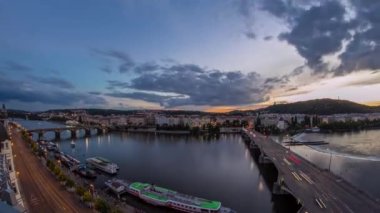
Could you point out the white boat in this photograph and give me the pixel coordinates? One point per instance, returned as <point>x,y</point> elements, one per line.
<point>72,143</point>
<point>103,164</point>
<point>116,185</point>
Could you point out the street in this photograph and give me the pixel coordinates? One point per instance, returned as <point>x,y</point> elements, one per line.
<point>40,189</point>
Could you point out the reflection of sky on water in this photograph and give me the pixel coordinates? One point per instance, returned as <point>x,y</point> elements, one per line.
<point>216,168</point>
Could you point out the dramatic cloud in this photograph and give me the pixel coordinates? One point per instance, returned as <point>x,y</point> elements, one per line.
<point>319,31</point>
<point>150,97</point>
<point>190,84</point>
<point>16,90</point>
<point>363,51</point>
<point>14,66</point>
<point>319,28</point>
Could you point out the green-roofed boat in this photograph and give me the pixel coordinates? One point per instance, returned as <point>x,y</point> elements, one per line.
<point>165,197</point>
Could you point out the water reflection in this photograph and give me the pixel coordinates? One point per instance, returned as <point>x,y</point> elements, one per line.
<point>219,168</point>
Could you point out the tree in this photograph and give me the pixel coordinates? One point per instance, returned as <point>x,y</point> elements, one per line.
<point>80,190</point>
<point>87,196</point>
<point>101,205</point>
<point>57,170</point>
<point>62,177</point>
<point>70,183</point>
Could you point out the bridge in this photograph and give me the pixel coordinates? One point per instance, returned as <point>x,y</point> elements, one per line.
<point>73,131</point>
<point>317,190</point>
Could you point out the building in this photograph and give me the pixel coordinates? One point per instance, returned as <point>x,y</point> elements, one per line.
<point>9,188</point>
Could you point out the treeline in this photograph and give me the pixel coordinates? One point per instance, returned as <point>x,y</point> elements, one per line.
<point>209,128</point>
<point>321,107</point>
<point>350,125</point>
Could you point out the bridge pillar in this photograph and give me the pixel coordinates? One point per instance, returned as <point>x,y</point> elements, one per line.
<point>98,131</point>
<point>40,135</point>
<point>263,159</point>
<point>73,133</point>
<point>252,145</point>
<point>87,132</point>
<point>57,134</point>
<point>279,187</point>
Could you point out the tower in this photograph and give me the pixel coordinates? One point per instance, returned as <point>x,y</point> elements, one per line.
<point>4,113</point>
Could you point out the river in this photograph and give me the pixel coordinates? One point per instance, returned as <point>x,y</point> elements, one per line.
<point>222,168</point>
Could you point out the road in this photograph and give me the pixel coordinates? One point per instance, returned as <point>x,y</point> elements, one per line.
<point>41,191</point>
<point>318,190</point>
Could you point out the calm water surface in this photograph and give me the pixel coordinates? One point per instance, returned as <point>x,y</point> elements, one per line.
<point>220,168</point>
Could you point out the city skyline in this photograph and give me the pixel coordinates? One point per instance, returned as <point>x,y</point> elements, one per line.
<point>198,55</point>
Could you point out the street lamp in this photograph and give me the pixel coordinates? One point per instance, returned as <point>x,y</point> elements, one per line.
<point>330,160</point>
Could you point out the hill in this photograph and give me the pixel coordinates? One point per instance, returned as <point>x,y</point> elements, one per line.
<point>321,107</point>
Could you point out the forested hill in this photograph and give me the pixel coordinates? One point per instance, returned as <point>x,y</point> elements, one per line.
<point>321,107</point>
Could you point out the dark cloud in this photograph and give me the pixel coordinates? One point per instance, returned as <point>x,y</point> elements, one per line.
<point>15,66</point>
<point>268,38</point>
<point>250,35</point>
<point>276,7</point>
<point>150,97</point>
<point>320,27</point>
<point>245,8</point>
<point>54,81</point>
<point>178,68</point>
<point>23,91</point>
<point>94,93</point>
<point>193,85</point>
<point>291,89</point>
<point>125,62</point>
<point>363,51</point>
<point>319,31</point>
<point>114,84</point>
<point>146,67</point>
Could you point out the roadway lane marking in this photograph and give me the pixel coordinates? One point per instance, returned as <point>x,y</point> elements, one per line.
<point>296,176</point>
<point>34,201</point>
<point>306,177</point>
<point>287,162</point>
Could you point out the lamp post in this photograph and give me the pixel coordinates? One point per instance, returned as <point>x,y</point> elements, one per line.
<point>330,160</point>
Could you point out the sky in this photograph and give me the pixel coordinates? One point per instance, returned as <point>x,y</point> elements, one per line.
<point>209,55</point>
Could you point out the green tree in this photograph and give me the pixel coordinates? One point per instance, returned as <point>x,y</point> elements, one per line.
<point>62,177</point>
<point>57,170</point>
<point>80,190</point>
<point>87,196</point>
<point>102,206</point>
<point>70,183</point>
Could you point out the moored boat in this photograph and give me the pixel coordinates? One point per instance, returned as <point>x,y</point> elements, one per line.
<point>103,164</point>
<point>160,196</point>
<point>85,172</point>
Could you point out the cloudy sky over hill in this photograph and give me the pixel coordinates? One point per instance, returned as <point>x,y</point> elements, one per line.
<point>200,54</point>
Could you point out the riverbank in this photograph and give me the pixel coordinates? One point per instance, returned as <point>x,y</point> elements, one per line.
<point>223,130</point>
<point>41,190</point>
